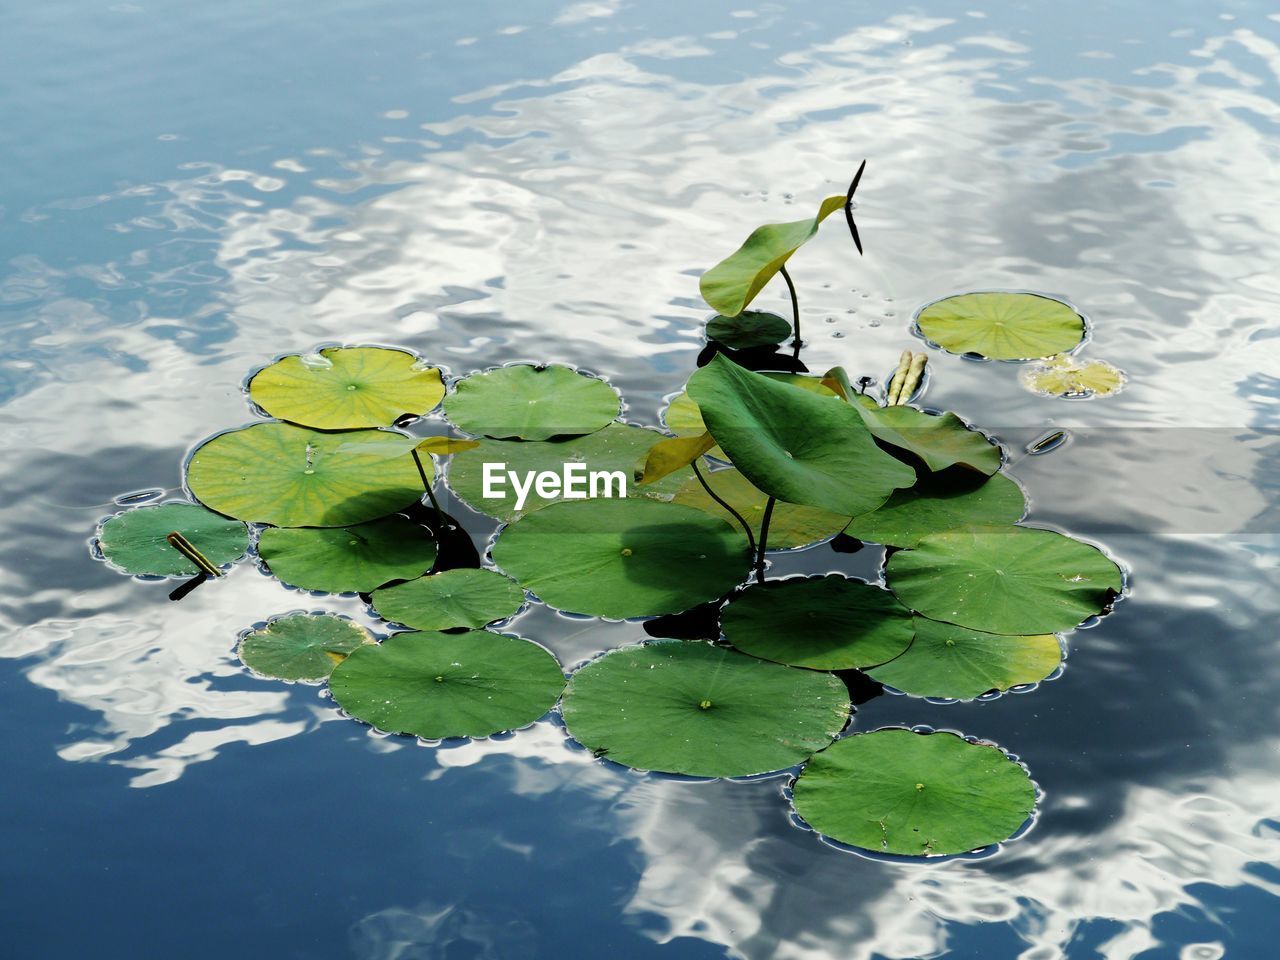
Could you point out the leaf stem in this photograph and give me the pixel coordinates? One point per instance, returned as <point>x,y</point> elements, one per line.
<point>746,528</point>
<point>426,482</point>
<point>795,305</point>
<point>764,538</point>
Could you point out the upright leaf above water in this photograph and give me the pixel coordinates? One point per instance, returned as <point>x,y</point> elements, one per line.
<point>302,646</point>
<point>135,541</point>
<point>529,402</point>
<point>939,440</point>
<point>791,524</point>
<point>1002,326</point>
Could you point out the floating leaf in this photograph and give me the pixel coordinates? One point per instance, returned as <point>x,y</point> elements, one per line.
<point>939,440</point>
<point>958,663</point>
<point>452,598</point>
<point>939,502</point>
<point>348,559</point>
<point>825,623</point>
<point>302,646</point>
<point>390,445</point>
<point>1065,376</point>
<point>347,388</point>
<point>731,285</point>
<point>622,558</point>
<point>438,685</point>
<point>667,456</point>
<point>1015,581</point>
<point>680,706</point>
<point>794,445</point>
<point>791,524</point>
<point>896,791</point>
<point>290,476</point>
<point>531,403</point>
<point>134,541</point>
<point>615,450</point>
<point>751,328</point>
<point>1002,326</point>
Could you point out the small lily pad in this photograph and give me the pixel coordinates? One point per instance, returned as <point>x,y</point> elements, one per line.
<point>896,791</point>
<point>344,388</point>
<point>688,707</point>
<point>791,524</point>
<point>290,476</point>
<point>134,541</point>
<point>1015,581</point>
<point>954,500</point>
<point>1067,377</point>
<point>302,646</point>
<point>531,403</point>
<point>824,623</point>
<point>622,558</point>
<point>438,685</point>
<point>751,328</point>
<point>451,598</point>
<point>960,664</point>
<point>348,559</point>
<point>939,440</point>
<point>1002,326</point>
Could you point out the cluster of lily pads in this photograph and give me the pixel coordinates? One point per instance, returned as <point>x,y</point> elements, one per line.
<point>328,492</point>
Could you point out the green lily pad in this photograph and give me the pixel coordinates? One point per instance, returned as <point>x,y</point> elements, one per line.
<point>438,685</point>
<point>531,403</point>
<point>751,328</point>
<point>688,707</point>
<point>348,559</point>
<point>731,285</point>
<point>134,541</point>
<point>302,646</point>
<point>960,664</point>
<point>614,450</point>
<point>896,791</point>
<point>1065,376</point>
<point>940,502</point>
<point>290,476</point>
<point>793,444</point>
<point>451,598</point>
<point>940,441</point>
<point>344,388</point>
<point>622,558</point>
<point>791,525</point>
<point>824,623</point>
<point>1015,581</point>
<point>1002,326</point>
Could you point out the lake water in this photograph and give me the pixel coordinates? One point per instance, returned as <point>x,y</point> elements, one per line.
<point>189,190</point>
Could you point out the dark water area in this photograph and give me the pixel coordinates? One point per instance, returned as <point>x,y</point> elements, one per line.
<point>189,191</point>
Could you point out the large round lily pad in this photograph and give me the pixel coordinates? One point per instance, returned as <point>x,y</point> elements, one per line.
<point>302,646</point>
<point>1002,326</point>
<point>531,403</point>
<point>791,524</point>
<point>793,444</point>
<point>939,502</point>
<point>290,476</point>
<point>344,388</point>
<point>1015,581</point>
<point>622,558</point>
<point>134,541</point>
<point>896,791</point>
<point>348,559</point>
<point>451,598</point>
<point>750,328</point>
<point>939,440</point>
<point>958,663</point>
<point>437,685</point>
<point>689,707</point>
<point>613,451</point>
<point>824,623</point>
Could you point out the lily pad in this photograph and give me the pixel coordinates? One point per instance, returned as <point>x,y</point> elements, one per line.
<point>939,502</point>
<point>689,707</point>
<point>344,388</point>
<point>1002,326</point>
<point>1015,581</point>
<point>940,441</point>
<point>896,791</point>
<point>438,685</point>
<point>751,328</point>
<point>824,623</point>
<point>451,598</point>
<point>290,476</point>
<point>1065,376</point>
<point>791,525</point>
<point>531,403</point>
<point>622,558</point>
<point>302,646</point>
<point>793,444</point>
<point>134,541</point>
<point>348,559</point>
<point>960,664</point>
<point>614,450</point>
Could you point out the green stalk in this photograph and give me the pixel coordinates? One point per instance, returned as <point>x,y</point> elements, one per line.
<point>795,306</point>
<point>426,483</point>
<point>764,538</point>
<point>751,540</point>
